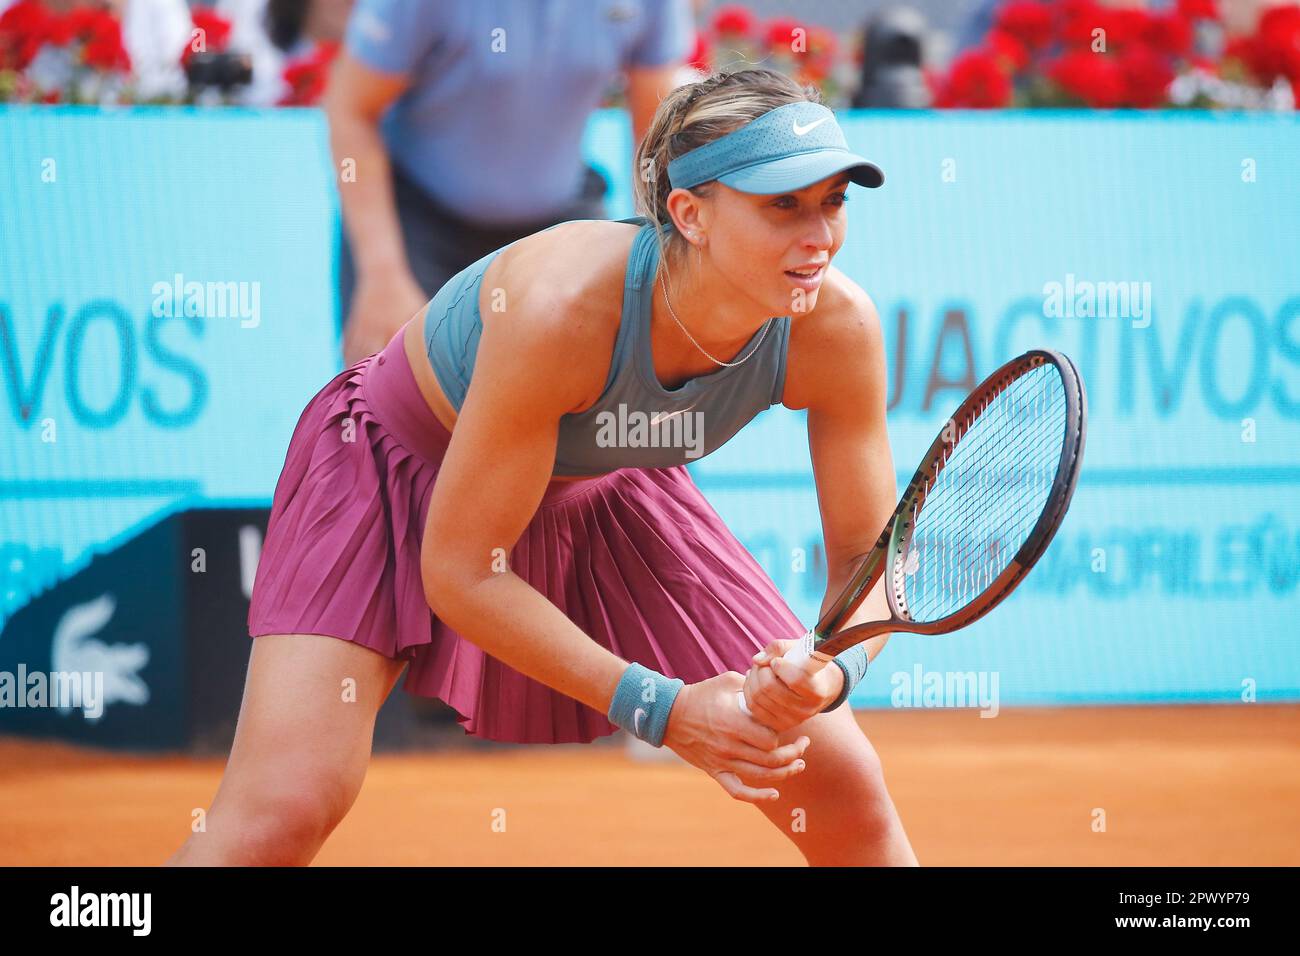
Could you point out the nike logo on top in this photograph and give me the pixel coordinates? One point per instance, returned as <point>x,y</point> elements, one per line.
<point>658,417</point>
<point>800,130</point>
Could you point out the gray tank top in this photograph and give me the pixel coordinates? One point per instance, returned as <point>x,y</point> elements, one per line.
<point>636,422</point>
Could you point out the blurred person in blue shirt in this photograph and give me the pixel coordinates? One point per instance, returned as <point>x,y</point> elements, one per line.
<point>456,128</point>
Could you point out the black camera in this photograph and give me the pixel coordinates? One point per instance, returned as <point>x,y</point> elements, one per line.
<point>224,71</point>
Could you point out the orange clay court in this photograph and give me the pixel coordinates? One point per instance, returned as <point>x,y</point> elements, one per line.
<point>1213,785</point>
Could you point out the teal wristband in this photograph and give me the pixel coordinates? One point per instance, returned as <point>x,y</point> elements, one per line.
<point>642,701</point>
<point>853,663</point>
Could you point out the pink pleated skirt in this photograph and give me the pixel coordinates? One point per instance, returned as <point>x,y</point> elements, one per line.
<point>637,558</point>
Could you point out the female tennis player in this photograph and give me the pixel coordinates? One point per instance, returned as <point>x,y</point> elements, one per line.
<point>499,501</point>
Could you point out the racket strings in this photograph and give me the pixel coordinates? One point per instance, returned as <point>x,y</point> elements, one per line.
<point>986,499</point>
<point>969,549</point>
<point>993,521</point>
<point>1018,447</point>
<point>973,528</point>
<point>993,432</point>
<point>955,482</point>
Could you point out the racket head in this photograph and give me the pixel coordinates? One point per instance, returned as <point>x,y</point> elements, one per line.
<point>899,553</point>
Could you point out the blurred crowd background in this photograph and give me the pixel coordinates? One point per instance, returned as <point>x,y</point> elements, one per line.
<point>861,53</point>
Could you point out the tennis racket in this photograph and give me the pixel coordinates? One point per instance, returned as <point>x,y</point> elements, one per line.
<point>979,512</point>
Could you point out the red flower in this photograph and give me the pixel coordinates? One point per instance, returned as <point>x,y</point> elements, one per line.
<point>1198,9</point>
<point>1241,49</point>
<point>1279,19</point>
<point>1093,78</point>
<point>104,51</point>
<point>734,19</point>
<point>1274,49</point>
<point>1278,49</point>
<point>99,34</point>
<point>308,76</point>
<point>24,27</point>
<point>216,33</point>
<point>1028,21</point>
<point>975,82</point>
<point>779,34</point>
<point>1007,50</point>
<point>1147,76</point>
<point>25,16</point>
<point>84,23</point>
<point>701,53</point>
<point>1169,33</point>
<point>1075,21</point>
<point>64,29</point>
<point>1124,26</point>
<point>822,43</point>
<point>1120,26</point>
<point>819,58</point>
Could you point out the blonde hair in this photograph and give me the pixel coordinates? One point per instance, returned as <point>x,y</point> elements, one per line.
<point>695,114</point>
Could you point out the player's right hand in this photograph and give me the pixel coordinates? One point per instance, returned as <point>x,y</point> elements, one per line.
<point>707,729</point>
<point>783,694</point>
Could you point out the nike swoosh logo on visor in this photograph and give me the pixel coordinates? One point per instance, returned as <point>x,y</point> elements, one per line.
<point>800,130</point>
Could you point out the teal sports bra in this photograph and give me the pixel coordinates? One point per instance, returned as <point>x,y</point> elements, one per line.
<point>636,422</point>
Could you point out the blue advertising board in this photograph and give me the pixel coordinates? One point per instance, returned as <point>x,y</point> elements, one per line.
<point>167,307</point>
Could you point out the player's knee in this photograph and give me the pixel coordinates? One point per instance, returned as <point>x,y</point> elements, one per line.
<point>864,778</point>
<point>284,824</point>
<point>863,833</point>
<point>876,817</point>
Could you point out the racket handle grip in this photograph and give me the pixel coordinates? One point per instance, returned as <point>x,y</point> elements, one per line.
<point>796,654</point>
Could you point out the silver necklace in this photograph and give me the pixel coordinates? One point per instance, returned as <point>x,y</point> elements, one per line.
<point>757,344</point>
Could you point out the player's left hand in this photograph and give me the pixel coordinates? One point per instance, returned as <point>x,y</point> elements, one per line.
<point>782,695</point>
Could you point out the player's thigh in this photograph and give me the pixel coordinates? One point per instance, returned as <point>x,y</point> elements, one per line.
<point>307,719</point>
<point>841,791</point>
